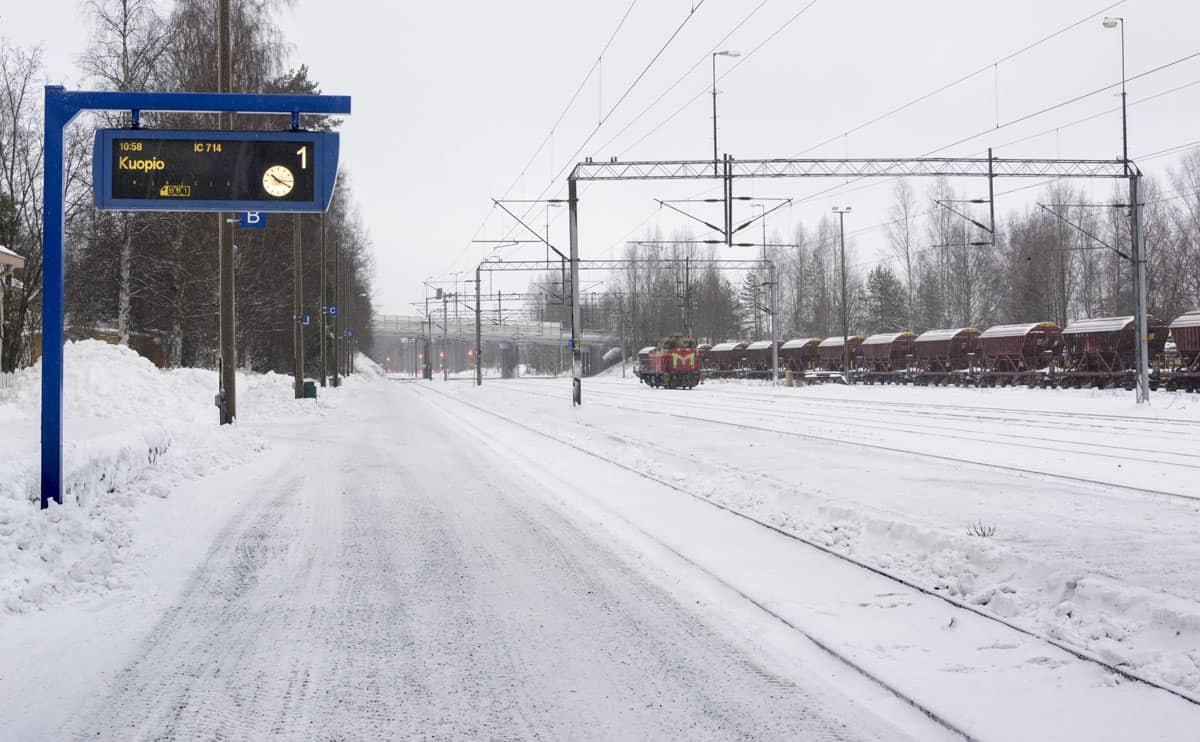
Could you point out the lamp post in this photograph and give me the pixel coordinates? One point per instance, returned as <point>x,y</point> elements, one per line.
<point>725,53</point>
<point>1114,23</point>
<point>772,279</point>
<point>551,204</point>
<point>1140,310</point>
<point>841,211</point>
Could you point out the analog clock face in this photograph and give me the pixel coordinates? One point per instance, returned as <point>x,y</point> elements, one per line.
<point>278,181</point>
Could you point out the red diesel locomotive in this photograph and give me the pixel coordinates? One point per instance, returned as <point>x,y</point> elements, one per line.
<point>673,364</point>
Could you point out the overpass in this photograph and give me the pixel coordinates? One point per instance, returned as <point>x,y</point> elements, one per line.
<point>539,346</point>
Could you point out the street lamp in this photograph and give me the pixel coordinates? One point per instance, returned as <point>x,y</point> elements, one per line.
<point>841,211</point>
<point>725,53</point>
<point>1135,227</point>
<point>1113,23</point>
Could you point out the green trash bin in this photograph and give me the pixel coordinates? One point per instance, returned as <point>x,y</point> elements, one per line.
<point>310,389</point>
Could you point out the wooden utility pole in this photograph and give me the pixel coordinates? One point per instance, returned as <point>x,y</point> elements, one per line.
<point>324,302</point>
<point>337,323</point>
<point>227,394</point>
<point>297,307</point>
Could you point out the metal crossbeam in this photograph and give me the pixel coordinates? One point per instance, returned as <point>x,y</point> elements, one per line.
<point>854,168</point>
<point>611,265</point>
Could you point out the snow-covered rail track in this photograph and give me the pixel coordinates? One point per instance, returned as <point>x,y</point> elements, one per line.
<point>615,401</point>
<point>1075,651</point>
<point>1109,449</point>
<point>1038,418</point>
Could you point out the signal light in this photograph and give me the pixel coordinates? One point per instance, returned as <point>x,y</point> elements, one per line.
<point>470,352</point>
<point>420,356</point>
<point>387,359</point>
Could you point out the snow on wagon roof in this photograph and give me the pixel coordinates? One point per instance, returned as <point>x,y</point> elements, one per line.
<point>1008,331</point>
<point>800,342</point>
<point>721,347</point>
<point>932,336</point>
<point>1187,319</point>
<point>836,340</point>
<point>886,337</point>
<point>1097,324</point>
<point>759,345</point>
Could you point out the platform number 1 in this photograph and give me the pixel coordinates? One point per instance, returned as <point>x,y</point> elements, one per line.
<point>303,152</point>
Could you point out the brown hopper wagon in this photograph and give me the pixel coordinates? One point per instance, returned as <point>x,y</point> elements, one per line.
<point>799,355</point>
<point>726,360</point>
<point>946,356</point>
<point>1019,354</point>
<point>829,353</point>
<point>1185,374</point>
<point>885,357</point>
<point>1100,351</point>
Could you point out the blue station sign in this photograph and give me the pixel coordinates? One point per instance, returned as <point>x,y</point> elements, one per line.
<point>166,170</point>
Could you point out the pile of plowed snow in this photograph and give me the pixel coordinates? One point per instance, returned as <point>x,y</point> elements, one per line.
<point>131,431</point>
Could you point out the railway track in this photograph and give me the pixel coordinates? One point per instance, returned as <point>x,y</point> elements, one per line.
<point>898,579</point>
<point>614,400</point>
<point>1107,449</point>
<point>972,412</point>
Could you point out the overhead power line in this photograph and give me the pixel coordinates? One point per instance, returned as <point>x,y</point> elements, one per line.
<point>723,75</point>
<point>905,106</point>
<point>553,127</point>
<point>954,83</point>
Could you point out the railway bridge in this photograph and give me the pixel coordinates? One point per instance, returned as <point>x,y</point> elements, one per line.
<point>511,348</point>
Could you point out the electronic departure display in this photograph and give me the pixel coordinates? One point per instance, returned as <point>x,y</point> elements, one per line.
<point>214,170</point>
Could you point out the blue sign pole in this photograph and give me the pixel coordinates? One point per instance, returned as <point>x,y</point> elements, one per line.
<point>58,115</point>
<point>62,106</point>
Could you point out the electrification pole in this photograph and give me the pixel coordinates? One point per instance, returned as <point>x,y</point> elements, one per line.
<point>478,334</point>
<point>841,211</point>
<point>337,319</point>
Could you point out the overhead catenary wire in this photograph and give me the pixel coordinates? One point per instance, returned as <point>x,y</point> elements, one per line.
<point>954,83</point>
<point>558,121</point>
<point>1152,155</point>
<point>570,161</point>
<point>724,74</point>
<point>1008,57</point>
<point>745,19</point>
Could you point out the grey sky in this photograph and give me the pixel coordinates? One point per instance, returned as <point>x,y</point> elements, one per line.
<point>451,100</point>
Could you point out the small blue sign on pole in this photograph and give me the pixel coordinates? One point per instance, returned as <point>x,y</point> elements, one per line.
<point>304,319</point>
<point>332,311</point>
<point>253,220</point>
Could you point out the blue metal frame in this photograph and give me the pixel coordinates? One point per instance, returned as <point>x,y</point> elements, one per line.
<point>61,107</point>
<point>325,148</point>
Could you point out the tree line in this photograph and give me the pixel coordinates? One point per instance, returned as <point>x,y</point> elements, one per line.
<point>153,276</point>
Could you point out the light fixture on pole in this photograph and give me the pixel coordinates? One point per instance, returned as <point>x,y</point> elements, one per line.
<point>1114,23</point>
<point>1140,301</point>
<point>841,211</point>
<point>724,53</point>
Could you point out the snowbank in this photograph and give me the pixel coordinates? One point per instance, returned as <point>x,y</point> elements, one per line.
<point>132,431</point>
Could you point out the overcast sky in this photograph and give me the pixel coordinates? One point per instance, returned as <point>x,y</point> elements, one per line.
<point>452,100</point>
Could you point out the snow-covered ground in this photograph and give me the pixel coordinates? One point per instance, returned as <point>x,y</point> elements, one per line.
<point>131,432</point>
<point>419,559</point>
<point>1090,497</point>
